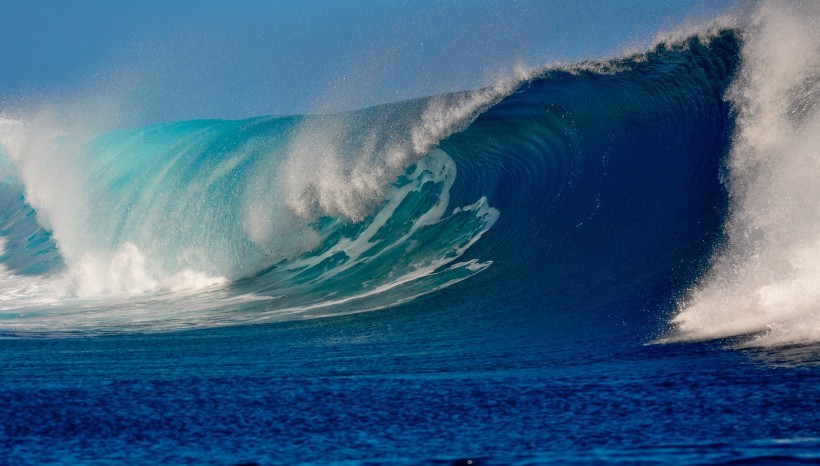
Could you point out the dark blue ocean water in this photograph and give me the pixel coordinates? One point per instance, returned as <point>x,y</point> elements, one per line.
<point>418,384</point>
<point>584,204</point>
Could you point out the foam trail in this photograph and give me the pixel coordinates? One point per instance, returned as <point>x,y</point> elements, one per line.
<point>766,280</point>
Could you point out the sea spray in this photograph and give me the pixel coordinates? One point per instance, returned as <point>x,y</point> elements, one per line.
<point>341,165</point>
<point>766,280</point>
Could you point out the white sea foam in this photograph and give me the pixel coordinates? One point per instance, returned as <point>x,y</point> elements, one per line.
<point>766,281</point>
<point>127,271</point>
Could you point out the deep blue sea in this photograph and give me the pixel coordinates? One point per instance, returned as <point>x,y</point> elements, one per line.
<point>608,262</point>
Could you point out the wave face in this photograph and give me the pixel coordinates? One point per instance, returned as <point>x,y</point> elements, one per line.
<point>570,186</point>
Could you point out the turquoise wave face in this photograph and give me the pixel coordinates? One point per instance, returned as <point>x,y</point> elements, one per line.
<point>219,214</point>
<point>563,185</point>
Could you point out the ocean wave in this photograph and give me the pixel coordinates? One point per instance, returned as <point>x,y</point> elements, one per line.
<point>572,185</point>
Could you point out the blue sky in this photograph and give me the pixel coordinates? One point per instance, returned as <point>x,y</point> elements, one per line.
<point>183,59</point>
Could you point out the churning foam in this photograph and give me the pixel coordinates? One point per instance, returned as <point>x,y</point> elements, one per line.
<point>56,186</point>
<point>126,271</point>
<point>766,281</point>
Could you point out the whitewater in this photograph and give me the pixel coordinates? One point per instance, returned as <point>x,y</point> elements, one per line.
<point>610,261</point>
<point>765,280</point>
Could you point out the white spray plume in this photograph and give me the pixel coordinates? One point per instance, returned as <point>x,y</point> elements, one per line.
<point>766,281</point>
